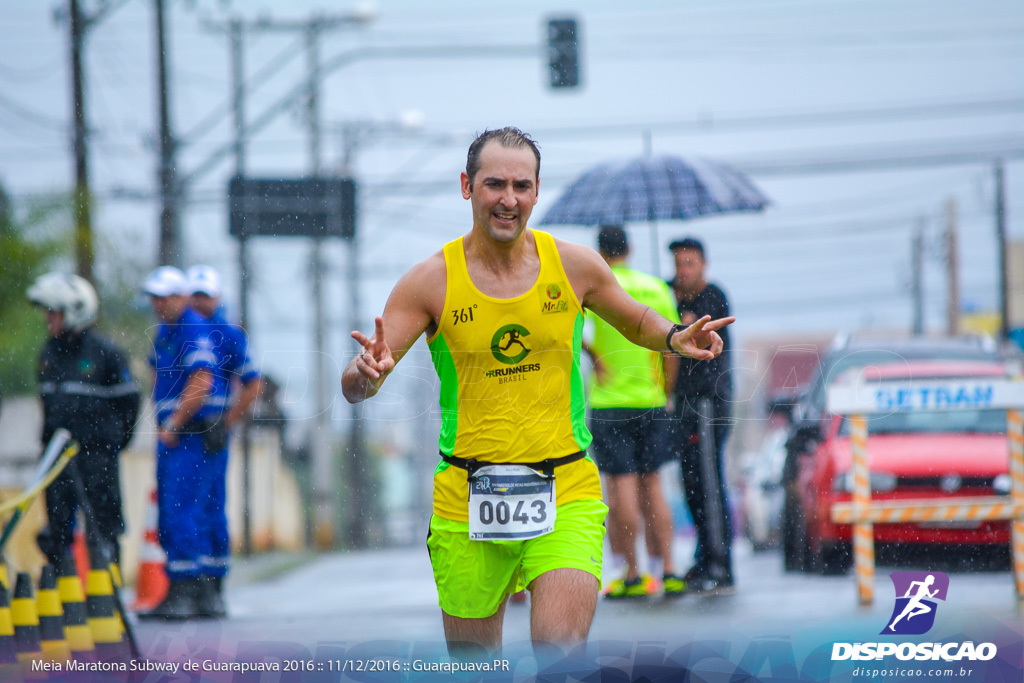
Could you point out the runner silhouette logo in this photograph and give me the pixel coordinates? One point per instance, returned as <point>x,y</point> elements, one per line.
<point>507,344</point>
<point>916,595</point>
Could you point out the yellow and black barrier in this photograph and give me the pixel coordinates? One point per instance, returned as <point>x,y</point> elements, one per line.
<point>101,608</point>
<point>51,617</point>
<point>8,650</point>
<point>26,620</point>
<point>76,617</point>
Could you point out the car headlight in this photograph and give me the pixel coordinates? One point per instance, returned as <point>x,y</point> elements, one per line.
<point>1002,484</point>
<point>880,482</point>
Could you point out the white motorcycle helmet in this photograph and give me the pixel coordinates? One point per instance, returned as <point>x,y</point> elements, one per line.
<point>68,293</point>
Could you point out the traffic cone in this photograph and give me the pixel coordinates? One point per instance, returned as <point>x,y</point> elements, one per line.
<point>51,618</point>
<point>80,549</point>
<point>26,620</point>
<point>104,623</point>
<point>76,618</point>
<point>8,650</point>
<point>151,583</point>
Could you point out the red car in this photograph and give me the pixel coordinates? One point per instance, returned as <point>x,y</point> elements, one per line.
<point>912,455</point>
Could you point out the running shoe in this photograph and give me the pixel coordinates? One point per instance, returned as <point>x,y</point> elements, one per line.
<point>710,586</point>
<point>673,586</point>
<point>637,587</point>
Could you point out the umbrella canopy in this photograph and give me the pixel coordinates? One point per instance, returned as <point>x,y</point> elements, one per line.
<point>652,189</point>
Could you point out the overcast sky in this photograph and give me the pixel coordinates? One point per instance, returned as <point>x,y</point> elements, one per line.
<point>752,82</point>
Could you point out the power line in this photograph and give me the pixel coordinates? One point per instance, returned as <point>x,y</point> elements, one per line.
<point>33,116</point>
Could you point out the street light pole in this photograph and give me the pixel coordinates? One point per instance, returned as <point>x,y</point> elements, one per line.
<point>170,236</point>
<point>356,463</point>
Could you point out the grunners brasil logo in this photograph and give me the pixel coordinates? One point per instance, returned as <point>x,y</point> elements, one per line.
<point>507,344</point>
<point>508,348</point>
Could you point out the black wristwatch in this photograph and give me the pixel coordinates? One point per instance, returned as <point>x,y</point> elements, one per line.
<point>668,339</point>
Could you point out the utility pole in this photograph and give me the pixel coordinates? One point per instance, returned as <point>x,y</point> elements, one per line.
<point>84,250</point>
<point>325,516</point>
<point>358,535</point>
<point>245,280</point>
<point>170,235</point>
<point>236,35</point>
<point>952,270</point>
<point>1004,266</point>
<point>917,275</point>
<point>325,512</point>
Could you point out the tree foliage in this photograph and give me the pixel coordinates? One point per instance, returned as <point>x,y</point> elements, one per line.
<point>28,246</point>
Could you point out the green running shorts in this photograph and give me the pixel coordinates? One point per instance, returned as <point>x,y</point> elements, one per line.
<point>474,577</point>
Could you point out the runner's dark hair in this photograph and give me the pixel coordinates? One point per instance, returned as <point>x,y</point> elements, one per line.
<point>509,136</point>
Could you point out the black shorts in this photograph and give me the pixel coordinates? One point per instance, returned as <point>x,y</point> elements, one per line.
<point>630,440</point>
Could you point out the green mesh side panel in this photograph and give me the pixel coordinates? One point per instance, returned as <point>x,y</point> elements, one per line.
<point>577,400</point>
<point>445,367</point>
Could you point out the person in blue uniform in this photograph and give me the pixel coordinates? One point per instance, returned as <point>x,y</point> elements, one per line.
<point>188,466</point>
<point>239,381</point>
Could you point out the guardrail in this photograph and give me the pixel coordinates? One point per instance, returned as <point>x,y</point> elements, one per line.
<point>862,398</point>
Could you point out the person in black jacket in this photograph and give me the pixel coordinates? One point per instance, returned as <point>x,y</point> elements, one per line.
<point>703,391</point>
<point>87,388</point>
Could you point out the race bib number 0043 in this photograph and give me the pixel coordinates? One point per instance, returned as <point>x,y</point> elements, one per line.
<point>510,503</point>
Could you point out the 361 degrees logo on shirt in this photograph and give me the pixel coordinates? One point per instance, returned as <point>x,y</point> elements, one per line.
<point>916,593</point>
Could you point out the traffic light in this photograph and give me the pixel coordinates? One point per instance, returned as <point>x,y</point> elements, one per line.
<point>563,53</point>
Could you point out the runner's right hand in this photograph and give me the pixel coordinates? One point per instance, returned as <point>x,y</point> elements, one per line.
<point>376,360</point>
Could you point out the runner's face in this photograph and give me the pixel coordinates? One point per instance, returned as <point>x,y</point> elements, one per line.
<point>504,191</point>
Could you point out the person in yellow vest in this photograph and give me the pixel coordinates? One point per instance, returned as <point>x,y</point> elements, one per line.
<point>517,501</point>
<point>630,429</point>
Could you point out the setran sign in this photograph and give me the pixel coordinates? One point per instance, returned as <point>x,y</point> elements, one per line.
<point>866,397</point>
<point>300,207</point>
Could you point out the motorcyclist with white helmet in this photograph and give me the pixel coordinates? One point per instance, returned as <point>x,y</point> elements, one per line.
<point>87,388</point>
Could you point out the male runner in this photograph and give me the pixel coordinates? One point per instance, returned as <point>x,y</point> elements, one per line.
<point>502,308</point>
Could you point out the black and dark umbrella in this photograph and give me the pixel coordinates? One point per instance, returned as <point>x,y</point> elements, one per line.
<point>652,189</point>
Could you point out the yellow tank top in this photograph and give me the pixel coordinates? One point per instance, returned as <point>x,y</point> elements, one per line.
<point>511,388</point>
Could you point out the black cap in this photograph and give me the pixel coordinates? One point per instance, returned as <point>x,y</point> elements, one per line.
<point>687,243</point>
<point>611,240</point>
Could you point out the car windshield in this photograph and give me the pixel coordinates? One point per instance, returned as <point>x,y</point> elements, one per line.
<point>934,422</point>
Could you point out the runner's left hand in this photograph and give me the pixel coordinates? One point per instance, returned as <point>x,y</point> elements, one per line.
<point>700,340</point>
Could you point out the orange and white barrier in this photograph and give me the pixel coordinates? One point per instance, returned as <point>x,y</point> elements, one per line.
<point>863,398</point>
<point>1015,433</point>
<point>863,532</point>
